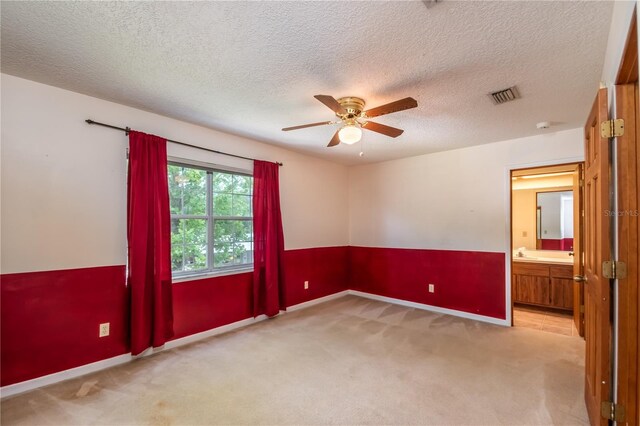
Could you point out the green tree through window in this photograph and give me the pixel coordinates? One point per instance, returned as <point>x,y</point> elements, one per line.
<point>211,219</point>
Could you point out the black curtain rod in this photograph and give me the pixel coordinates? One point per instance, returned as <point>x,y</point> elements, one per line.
<point>128,129</point>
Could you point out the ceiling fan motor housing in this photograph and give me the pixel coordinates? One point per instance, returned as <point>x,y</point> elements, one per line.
<point>350,110</point>
<point>354,107</point>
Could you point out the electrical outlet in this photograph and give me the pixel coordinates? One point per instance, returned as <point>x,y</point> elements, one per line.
<point>432,288</point>
<point>103,330</point>
<point>306,285</point>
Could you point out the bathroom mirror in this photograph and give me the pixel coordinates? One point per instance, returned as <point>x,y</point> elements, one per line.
<point>554,220</point>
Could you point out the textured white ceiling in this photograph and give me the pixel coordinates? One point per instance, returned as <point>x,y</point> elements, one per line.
<point>251,68</point>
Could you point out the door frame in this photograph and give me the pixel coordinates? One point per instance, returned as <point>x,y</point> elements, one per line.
<point>626,105</point>
<point>508,226</point>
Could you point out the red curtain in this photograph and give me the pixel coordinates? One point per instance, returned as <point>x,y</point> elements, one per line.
<point>149,238</point>
<point>268,241</point>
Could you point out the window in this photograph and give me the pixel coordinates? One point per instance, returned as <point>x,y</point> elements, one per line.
<point>211,220</point>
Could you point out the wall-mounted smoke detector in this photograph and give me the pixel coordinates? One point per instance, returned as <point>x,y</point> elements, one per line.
<point>505,95</point>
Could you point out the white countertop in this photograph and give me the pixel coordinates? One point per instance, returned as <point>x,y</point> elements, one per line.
<point>532,259</point>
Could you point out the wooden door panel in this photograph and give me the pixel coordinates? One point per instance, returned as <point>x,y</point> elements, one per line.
<point>578,248</point>
<point>596,247</point>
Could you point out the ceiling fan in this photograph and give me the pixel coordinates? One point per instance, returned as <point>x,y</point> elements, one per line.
<point>353,117</point>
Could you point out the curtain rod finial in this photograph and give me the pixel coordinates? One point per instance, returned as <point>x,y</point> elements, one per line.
<point>88,121</point>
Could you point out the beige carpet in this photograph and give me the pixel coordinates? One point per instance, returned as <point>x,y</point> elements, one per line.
<point>348,361</point>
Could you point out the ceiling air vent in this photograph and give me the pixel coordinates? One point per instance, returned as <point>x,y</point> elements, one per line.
<point>506,95</point>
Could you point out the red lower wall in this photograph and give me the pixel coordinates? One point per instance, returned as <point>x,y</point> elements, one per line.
<point>201,305</point>
<point>565,244</point>
<point>49,320</point>
<point>325,268</point>
<point>466,281</point>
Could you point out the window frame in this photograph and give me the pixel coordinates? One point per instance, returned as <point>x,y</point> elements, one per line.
<point>211,270</point>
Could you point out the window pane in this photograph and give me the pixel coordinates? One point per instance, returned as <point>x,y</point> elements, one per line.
<point>229,196</point>
<point>242,184</point>
<point>230,254</point>
<point>242,205</point>
<point>242,230</point>
<point>222,182</point>
<point>188,244</point>
<point>187,190</point>
<point>233,244</point>
<point>222,204</point>
<point>177,244</point>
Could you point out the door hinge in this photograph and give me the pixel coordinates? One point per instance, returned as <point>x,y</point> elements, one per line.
<point>612,128</point>
<point>582,309</point>
<point>612,411</point>
<point>614,270</point>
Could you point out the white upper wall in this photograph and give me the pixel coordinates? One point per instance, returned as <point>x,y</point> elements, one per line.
<point>620,23</point>
<point>458,200</point>
<point>452,200</point>
<point>64,186</point>
<point>64,181</point>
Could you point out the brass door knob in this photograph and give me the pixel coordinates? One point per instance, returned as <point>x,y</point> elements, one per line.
<point>579,278</point>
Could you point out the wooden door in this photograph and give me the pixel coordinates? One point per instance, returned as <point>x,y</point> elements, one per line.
<point>596,247</point>
<point>578,249</point>
<point>628,165</point>
<point>628,175</point>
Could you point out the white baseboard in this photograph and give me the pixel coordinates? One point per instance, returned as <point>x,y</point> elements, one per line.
<point>50,379</point>
<point>72,373</point>
<point>431,308</point>
<point>317,301</point>
<point>209,333</point>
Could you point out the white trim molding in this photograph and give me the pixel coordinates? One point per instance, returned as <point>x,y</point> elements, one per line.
<point>437,309</point>
<point>317,301</point>
<point>508,249</point>
<point>60,376</point>
<point>82,370</point>
<point>243,323</point>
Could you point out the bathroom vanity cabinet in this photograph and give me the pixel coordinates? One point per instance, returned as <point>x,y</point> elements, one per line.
<point>543,284</point>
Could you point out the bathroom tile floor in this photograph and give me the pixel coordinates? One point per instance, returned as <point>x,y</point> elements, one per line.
<point>544,320</point>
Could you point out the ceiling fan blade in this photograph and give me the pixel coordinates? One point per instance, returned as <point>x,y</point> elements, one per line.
<point>401,105</point>
<point>331,103</point>
<point>321,123</point>
<point>381,128</point>
<point>335,140</point>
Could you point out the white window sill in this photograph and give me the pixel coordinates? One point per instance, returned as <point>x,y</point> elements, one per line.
<point>211,274</point>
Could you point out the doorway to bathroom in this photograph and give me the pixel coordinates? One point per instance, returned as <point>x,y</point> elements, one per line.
<point>546,235</point>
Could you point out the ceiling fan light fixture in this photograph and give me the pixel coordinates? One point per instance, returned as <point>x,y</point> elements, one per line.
<point>350,134</point>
